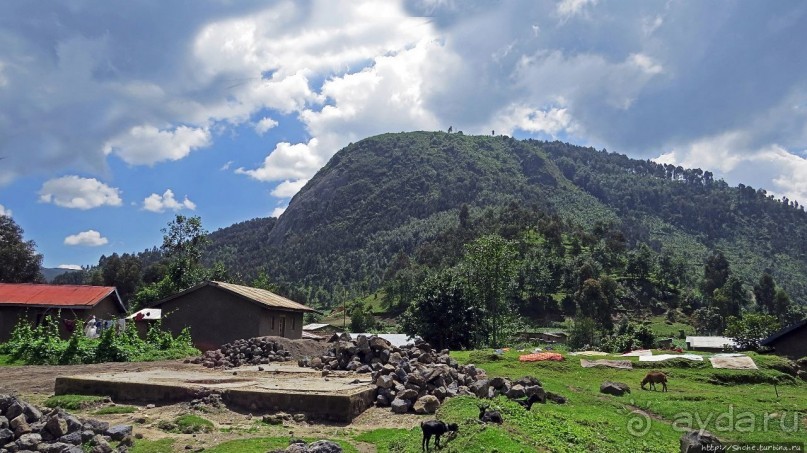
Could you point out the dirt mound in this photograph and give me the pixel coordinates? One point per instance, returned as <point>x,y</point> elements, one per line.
<point>301,349</point>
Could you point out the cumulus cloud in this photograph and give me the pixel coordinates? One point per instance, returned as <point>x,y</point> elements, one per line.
<point>733,156</point>
<point>4,211</point>
<point>288,161</point>
<point>147,145</point>
<point>637,77</point>
<point>277,212</point>
<point>160,203</point>
<point>287,189</point>
<point>79,193</point>
<point>266,123</point>
<point>74,267</point>
<point>89,238</point>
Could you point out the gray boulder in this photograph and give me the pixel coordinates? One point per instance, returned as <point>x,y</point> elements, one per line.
<point>427,404</point>
<point>324,446</point>
<point>6,436</point>
<point>119,432</point>
<point>400,406</point>
<point>614,388</point>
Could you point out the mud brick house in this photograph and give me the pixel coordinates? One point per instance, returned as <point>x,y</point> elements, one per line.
<point>790,342</point>
<point>67,303</point>
<point>219,313</point>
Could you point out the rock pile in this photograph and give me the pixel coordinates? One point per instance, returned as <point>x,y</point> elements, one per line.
<point>251,351</point>
<point>23,427</point>
<point>416,377</point>
<point>320,446</point>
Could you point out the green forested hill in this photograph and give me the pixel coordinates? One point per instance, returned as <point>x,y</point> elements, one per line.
<point>417,197</point>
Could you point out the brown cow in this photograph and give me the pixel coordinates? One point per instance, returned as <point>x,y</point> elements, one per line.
<point>653,378</point>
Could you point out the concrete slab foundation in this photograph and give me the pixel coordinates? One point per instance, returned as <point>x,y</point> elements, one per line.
<point>338,398</point>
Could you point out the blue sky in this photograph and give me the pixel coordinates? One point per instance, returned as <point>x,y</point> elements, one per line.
<point>115,116</point>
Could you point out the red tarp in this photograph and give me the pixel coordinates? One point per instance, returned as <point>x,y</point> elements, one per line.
<point>540,356</point>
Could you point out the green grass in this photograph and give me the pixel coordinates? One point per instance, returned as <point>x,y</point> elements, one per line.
<point>695,399</point>
<point>153,446</point>
<point>74,402</point>
<point>115,410</point>
<point>659,325</point>
<point>189,424</point>
<point>263,444</point>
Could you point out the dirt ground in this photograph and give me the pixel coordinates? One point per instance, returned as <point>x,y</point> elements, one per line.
<point>36,384</point>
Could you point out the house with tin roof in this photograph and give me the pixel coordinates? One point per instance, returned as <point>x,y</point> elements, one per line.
<point>66,303</point>
<point>790,342</point>
<point>218,313</point>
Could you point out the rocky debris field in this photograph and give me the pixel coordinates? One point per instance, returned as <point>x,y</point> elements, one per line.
<point>259,351</point>
<point>320,446</point>
<point>23,427</point>
<point>417,378</point>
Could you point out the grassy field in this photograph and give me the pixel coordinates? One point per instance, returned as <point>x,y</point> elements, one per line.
<point>736,405</point>
<point>651,421</point>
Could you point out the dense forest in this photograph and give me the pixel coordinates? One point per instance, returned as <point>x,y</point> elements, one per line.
<point>394,213</point>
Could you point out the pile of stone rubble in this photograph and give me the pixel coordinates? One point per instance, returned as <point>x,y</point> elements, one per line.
<point>416,377</point>
<point>251,351</point>
<point>23,427</point>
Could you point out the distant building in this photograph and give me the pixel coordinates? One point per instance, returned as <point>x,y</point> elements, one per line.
<point>546,337</point>
<point>790,342</point>
<point>322,330</point>
<point>710,344</point>
<point>219,313</point>
<point>65,303</point>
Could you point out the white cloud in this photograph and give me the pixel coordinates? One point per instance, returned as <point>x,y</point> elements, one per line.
<point>226,166</point>
<point>147,145</point>
<point>733,156</point>
<point>4,211</point>
<point>277,212</point>
<point>159,203</point>
<point>288,161</point>
<point>551,121</point>
<point>266,123</point>
<point>79,193</point>
<point>287,188</point>
<point>568,8</point>
<point>89,238</point>
<point>646,64</point>
<point>74,267</point>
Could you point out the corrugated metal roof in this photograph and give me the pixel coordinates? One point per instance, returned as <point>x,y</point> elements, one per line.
<point>314,326</point>
<point>36,295</point>
<point>263,296</point>
<point>146,314</point>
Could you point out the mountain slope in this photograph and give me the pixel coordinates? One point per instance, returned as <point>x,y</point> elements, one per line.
<point>395,192</point>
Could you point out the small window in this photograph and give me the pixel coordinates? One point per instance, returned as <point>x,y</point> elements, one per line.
<point>293,323</point>
<point>273,323</point>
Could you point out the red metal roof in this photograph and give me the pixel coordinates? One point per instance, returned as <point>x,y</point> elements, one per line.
<point>35,295</point>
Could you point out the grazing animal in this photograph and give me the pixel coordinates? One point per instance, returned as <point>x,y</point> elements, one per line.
<point>653,378</point>
<point>527,404</point>
<point>489,416</point>
<point>435,428</point>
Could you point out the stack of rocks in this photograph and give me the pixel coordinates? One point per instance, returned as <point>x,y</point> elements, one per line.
<point>415,377</point>
<point>252,351</point>
<point>23,427</point>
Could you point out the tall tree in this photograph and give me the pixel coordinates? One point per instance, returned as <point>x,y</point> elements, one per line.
<point>715,273</point>
<point>765,292</point>
<point>19,262</point>
<point>490,263</point>
<point>183,241</point>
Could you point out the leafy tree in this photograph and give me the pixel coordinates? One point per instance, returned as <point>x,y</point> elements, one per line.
<point>582,333</point>
<point>765,292</point>
<point>715,273</point>
<point>445,314</point>
<point>19,262</point>
<point>490,263</point>
<point>707,321</point>
<point>183,241</point>
<point>747,331</point>
<point>781,305</point>
<point>593,303</point>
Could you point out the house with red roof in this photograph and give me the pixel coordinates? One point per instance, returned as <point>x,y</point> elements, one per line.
<point>67,303</point>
